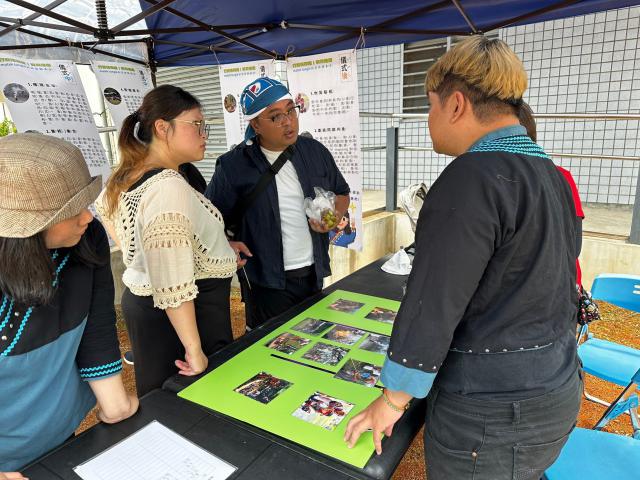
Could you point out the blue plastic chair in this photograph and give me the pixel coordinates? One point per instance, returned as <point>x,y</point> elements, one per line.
<point>620,290</point>
<point>609,360</point>
<point>597,455</point>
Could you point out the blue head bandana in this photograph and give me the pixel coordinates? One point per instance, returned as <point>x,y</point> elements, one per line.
<point>257,96</point>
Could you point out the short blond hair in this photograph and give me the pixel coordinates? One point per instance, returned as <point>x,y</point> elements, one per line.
<point>488,67</point>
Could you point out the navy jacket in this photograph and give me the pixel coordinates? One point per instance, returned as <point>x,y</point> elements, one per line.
<point>236,174</point>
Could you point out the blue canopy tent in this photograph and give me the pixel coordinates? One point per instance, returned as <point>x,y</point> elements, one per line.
<point>191,32</point>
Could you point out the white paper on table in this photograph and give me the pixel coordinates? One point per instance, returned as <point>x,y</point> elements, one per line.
<point>155,453</point>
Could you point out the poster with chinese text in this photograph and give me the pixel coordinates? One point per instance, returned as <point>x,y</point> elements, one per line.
<point>123,86</point>
<point>47,96</point>
<point>325,87</point>
<point>233,78</point>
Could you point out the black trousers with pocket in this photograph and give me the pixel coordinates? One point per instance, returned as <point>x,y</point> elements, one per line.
<point>154,341</point>
<point>471,439</point>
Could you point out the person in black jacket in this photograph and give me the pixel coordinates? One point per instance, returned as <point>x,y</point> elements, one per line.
<point>486,330</point>
<point>289,253</point>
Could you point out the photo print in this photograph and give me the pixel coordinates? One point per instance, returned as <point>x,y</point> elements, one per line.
<point>376,343</point>
<point>288,343</point>
<point>326,354</point>
<point>15,92</point>
<point>323,410</point>
<point>263,387</point>
<point>312,326</point>
<point>344,334</point>
<point>112,96</point>
<point>383,315</point>
<point>362,373</point>
<point>345,306</point>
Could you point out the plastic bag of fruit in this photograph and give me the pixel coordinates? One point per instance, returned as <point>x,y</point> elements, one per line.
<point>322,207</point>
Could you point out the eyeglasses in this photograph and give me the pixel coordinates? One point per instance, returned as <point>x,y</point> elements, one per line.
<point>203,127</point>
<point>279,119</point>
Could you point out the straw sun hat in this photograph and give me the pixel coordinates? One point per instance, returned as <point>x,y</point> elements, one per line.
<point>43,181</point>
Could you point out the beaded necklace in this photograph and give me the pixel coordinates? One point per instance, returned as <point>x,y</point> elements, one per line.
<point>25,318</point>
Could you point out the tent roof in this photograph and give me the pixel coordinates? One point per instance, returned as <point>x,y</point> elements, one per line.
<point>191,32</point>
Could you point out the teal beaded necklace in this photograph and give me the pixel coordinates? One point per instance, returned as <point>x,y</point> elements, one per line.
<point>27,314</point>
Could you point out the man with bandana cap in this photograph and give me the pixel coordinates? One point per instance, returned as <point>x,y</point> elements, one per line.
<point>288,253</point>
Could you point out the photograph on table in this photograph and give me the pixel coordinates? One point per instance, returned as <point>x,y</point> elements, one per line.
<point>326,354</point>
<point>287,343</point>
<point>312,326</point>
<point>380,314</point>
<point>263,387</point>
<point>362,373</point>
<point>345,306</point>
<point>323,410</point>
<point>344,334</point>
<point>376,343</point>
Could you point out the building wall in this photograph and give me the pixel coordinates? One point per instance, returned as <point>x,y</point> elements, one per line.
<point>588,64</point>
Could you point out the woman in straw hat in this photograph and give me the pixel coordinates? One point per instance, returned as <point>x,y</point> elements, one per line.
<point>486,330</point>
<point>58,344</point>
<point>178,261</point>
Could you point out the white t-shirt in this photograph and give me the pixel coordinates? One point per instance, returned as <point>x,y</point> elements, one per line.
<point>296,239</point>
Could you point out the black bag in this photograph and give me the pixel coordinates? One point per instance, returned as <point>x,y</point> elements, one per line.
<point>587,308</point>
<point>235,219</point>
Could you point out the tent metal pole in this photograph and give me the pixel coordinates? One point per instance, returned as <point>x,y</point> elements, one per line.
<point>32,23</point>
<point>141,15</point>
<point>37,34</point>
<point>62,43</point>
<point>473,28</point>
<point>33,16</point>
<point>158,31</point>
<point>205,48</point>
<point>152,60</point>
<point>33,45</point>
<point>170,60</point>
<point>356,30</point>
<point>57,16</point>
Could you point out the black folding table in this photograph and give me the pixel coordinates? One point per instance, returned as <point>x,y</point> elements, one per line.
<point>257,453</point>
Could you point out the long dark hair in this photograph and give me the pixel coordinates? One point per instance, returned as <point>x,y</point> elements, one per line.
<point>525,116</point>
<point>26,268</point>
<point>165,102</point>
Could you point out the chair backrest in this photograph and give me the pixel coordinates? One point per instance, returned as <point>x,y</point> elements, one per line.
<point>620,290</point>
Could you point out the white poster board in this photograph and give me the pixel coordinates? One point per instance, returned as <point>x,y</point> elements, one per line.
<point>325,86</point>
<point>123,86</point>
<point>47,96</point>
<point>233,78</point>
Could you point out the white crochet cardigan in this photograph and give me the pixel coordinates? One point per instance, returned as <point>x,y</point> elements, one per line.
<point>170,236</point>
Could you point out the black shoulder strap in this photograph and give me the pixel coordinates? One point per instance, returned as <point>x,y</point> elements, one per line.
<point>244,203</point>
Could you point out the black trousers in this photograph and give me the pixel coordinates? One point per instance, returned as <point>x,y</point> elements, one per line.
<point>262,303</point>
<point>470,439</point>
<point>154,341</point>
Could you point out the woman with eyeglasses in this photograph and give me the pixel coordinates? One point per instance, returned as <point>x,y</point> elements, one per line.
<point>178,260</point>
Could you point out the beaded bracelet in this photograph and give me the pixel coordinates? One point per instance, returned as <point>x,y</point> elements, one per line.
<point>393,406</point>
